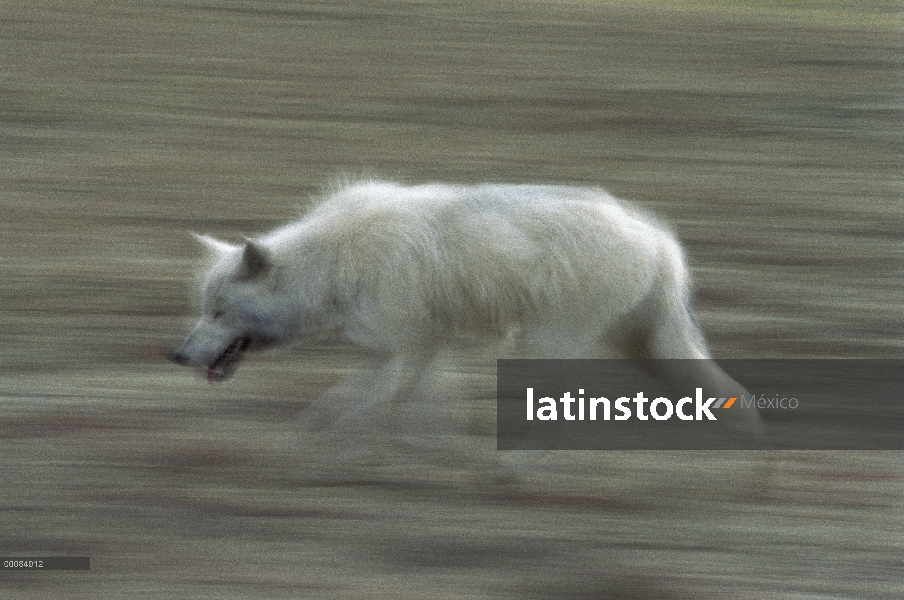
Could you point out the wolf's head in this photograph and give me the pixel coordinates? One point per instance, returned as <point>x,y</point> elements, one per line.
<point>239,309</point>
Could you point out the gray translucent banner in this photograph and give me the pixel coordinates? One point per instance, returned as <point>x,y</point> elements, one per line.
<point>794,404</point>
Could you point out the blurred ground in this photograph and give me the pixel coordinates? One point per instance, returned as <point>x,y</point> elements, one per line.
<point>767,134</point>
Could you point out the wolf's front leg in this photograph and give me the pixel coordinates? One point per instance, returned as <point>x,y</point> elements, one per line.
<point>381,379</point>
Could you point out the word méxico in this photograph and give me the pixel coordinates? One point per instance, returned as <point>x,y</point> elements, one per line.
<point>660,409</point>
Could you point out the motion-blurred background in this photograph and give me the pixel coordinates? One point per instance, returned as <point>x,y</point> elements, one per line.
<point>767,133</point>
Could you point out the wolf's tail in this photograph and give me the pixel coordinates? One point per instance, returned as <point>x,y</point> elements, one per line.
<point>676,337</point>
<point>675,333</point>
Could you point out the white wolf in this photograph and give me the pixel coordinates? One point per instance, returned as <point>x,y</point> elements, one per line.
<point>399,271</point>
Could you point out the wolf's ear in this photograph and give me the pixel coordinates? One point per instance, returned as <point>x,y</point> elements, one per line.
<point>215,246</point>
<point>255,261</point>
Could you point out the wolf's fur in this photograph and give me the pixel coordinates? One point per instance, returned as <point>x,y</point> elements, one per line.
<point>400,271</point>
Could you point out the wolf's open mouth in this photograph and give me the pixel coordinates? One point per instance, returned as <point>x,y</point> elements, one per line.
<point>226,362</point>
